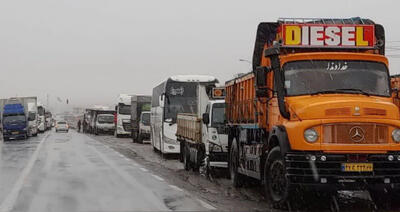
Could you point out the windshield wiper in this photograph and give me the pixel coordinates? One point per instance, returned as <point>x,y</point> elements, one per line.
<point>353,89</point>
<point>341,90</point>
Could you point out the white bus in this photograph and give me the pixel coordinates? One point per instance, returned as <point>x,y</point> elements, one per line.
<point>177,94</point>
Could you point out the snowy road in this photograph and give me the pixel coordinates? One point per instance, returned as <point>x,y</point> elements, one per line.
<point>73,172</point>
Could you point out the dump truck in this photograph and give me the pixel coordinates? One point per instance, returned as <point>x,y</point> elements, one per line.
<point>202,135</point>
<point>139,104</point>
<point>316,112</point>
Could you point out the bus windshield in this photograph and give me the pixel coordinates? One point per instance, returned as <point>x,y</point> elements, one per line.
<point>181,97</point>
<point>333,76</point>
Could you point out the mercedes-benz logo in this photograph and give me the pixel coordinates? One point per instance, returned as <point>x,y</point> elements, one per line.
<point>357,134</point>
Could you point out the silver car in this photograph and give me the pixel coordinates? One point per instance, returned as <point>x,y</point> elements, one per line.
<point>62,126</point>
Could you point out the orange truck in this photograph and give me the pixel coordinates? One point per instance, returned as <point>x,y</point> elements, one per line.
<point>316,112</point>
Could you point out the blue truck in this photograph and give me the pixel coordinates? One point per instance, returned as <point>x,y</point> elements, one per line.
<point>14,120</point>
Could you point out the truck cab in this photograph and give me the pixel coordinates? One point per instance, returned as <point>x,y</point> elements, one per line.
<point>14,121</point>
<point>104,124</point>
<point>123,116</point>
<point>41,118</point>
<point>215,135</point>
<point>144,126</point>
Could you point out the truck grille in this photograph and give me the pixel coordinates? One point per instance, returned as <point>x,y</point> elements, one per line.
<point>351,133</point>
<point>127,126</point>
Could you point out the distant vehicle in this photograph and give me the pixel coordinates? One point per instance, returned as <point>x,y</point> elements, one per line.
<point>105,124</point>
<point>123,116</point>
<point>177,94</point>
<point>62,126</point>
<point>15,121</point>
<point>203,137</point>
<point>91,116</point>
<point>144,127</point>
<point>139,103</point>
<point>32,116</point>
<point>48,119</point>
<point>41,120</point>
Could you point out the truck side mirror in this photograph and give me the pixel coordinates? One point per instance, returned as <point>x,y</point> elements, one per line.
<point>206,118</point>
<point>261,76</point>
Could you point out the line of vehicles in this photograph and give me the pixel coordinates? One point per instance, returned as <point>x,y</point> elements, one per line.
<point>23,117</point>
<point>318,112</point>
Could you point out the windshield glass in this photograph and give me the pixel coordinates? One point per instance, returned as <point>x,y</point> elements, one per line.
<point>32,116</point>
<point>105,119</point>
<point>180,98</point>
<point>146,119</point>
<point>218,115</point>
<point>61,122</point>
<point>40,111</point>
<point>327,76</point>
<point>124,109</point>
<point>13,119</point>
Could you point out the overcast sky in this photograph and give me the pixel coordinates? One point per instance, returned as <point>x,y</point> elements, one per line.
<point>91,50</point>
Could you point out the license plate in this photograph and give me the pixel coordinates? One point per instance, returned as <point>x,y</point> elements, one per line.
<point>357,167</point>
<point>15,133</point>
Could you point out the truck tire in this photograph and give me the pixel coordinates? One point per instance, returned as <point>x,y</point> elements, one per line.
<point>96,131</point>
<point>384,199</point>
<point>139,139</point>
<point>186,157</point>
<point>236,177</point>
<point>276,184</point>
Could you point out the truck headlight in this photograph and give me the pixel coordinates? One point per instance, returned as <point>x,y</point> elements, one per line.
<point>396,135</point>
<point>311,135</point>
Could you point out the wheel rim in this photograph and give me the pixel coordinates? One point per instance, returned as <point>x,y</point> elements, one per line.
<point>277,180</point>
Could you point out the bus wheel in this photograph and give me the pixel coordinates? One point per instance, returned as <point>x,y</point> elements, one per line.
<point>276,183</point>
<point>236,177</point>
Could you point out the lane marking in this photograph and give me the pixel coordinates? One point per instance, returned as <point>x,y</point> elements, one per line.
<point>157,177</point>
<point>176,188</point>
<point>143,169</point>
<point>9,202</point>
<point>206,205</point>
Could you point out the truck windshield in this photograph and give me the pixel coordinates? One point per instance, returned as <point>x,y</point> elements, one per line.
<point>218,115</point>
<point>336,76</point>
<point>181,97</point>
<point>105,119</point>
<point>145,119</point>
<point>40,111</point>
<point>13,119</point>
<point>124,109</point>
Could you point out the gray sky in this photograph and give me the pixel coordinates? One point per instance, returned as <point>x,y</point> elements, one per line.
<point>92,50</point>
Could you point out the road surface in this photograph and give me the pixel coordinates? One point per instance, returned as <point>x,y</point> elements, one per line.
<point>74,172</point>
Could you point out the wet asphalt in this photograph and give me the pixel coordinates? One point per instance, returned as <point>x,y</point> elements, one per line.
<point>73,172</point>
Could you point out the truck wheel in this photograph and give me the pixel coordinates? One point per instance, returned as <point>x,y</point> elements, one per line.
<point>186,157</point>
<point>236,177</point>
<point>384,199</point>
<point>140,139</point>
<point>276,184</point>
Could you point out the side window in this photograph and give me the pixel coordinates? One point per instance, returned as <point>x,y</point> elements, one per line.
<point>208,109</point>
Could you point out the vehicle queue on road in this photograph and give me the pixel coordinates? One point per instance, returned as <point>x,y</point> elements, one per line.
<point>279,125</point>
